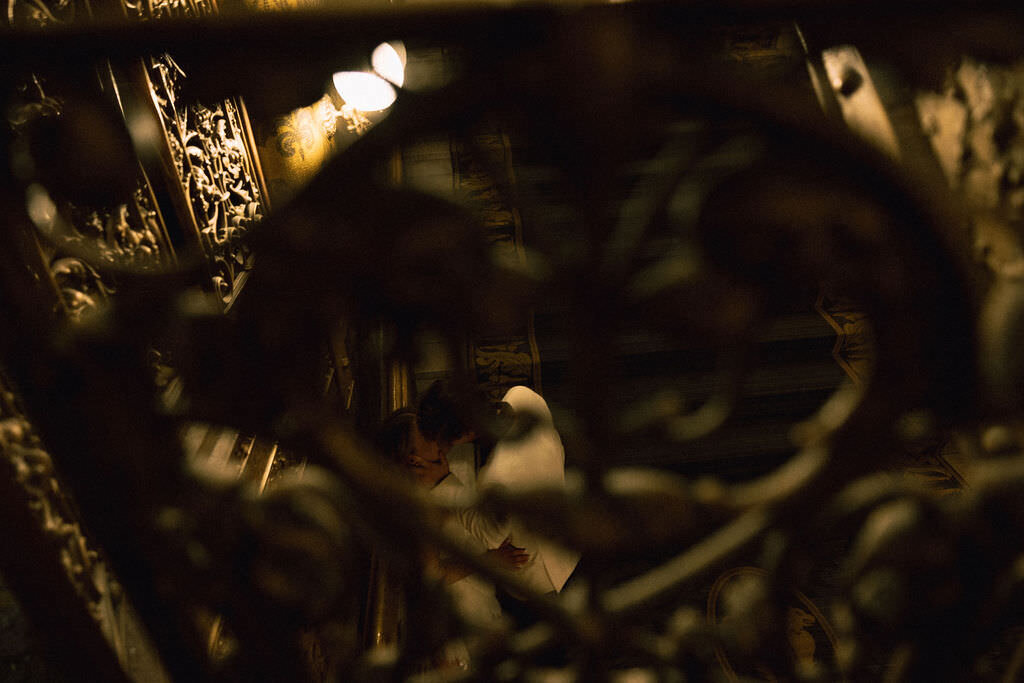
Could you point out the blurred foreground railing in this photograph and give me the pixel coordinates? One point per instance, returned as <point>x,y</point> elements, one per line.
<point>750,196</point>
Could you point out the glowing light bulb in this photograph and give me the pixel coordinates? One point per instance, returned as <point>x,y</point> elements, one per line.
<point>368,92</point>
<point>364,91</point>
<point>388,60</point>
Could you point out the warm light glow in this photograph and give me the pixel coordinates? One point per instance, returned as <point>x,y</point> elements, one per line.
<point>41,208</point>
<point>388,60</point>
<point>369,92</point>
<point>364,91</point>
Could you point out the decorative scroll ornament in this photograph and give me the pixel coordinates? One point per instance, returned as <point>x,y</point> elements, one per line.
<point>127,235</point>
<point>209,156</point>
<point>80,238</point>
<point>33,468</point>
<point>40,12</point>
<point>167,9</point>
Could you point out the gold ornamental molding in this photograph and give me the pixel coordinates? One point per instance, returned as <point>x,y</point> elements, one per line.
<point>208,159</point>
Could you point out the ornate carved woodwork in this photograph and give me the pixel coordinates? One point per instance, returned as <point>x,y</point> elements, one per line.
<point>79,240</point>
<point>73,243</point>
<point>85,245</point>
<point>59,523</point>
<point>36,475</point>
<point>149,10</point>
<point>222,198</point>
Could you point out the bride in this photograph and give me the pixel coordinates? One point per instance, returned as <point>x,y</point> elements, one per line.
<point>473,598</point>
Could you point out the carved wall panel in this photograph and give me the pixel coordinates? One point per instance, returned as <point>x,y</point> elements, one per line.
<point>78,240</point>
<point>58,521</point>
<point>145,10</point>
<point>221,194</point>
<point>128,235</point>
<point>74,243</point>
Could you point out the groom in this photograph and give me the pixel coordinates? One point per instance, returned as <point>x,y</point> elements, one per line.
<point>531,460</point>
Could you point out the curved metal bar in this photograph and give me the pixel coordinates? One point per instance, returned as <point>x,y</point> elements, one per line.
<point>689,565</point>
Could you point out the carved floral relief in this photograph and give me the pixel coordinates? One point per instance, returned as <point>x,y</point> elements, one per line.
<point>78,240</point>
<point>34,472</point>
<point>208,152</point>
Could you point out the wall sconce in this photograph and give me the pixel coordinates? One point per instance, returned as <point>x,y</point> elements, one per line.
<point>371,91</point>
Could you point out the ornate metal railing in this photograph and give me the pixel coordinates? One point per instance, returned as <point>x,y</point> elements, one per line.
<point>670,191</point>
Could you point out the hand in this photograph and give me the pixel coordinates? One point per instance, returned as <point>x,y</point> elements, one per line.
<point>429,471</point>
<point>509,556</point>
